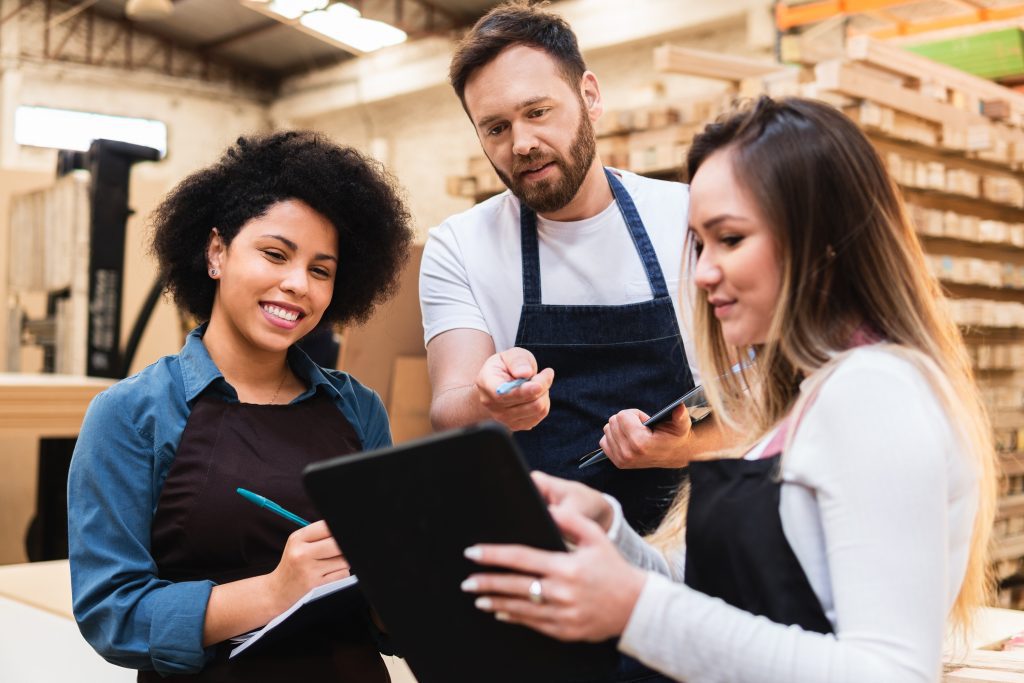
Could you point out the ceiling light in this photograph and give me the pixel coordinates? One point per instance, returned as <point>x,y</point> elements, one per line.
<point>64,129</point>
<point>293,9</point>
<point>343,23</point>
<point>147,10</point>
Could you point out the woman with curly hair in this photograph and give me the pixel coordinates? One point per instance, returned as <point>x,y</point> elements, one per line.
<point>834,544</point>
<point>286,233</point>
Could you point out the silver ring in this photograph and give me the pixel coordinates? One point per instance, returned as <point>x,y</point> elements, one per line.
<point>536,592</point>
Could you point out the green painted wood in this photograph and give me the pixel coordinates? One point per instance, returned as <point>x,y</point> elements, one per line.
<point>997,54</point>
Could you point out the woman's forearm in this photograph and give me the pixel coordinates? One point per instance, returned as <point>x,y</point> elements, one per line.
<point>239,607</point>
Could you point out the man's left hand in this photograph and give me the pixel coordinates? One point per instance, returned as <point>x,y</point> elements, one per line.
<point>630,445</point>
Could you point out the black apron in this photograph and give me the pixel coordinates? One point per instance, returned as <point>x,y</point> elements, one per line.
<point>203,529</point>
<point>606,358</point>
<point>736,549</point>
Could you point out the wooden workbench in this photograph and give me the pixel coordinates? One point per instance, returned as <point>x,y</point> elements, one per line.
<point>33,407</point>
<point>45,405</point>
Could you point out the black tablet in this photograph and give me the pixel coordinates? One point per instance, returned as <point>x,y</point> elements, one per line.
<point>403,516</point>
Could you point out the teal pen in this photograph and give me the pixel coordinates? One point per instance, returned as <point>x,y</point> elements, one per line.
<point>265,502</point>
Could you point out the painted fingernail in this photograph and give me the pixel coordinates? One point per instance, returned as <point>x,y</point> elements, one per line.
<point>501,616</point>
<point>473,552</point>
<point>469,585</point>
<point>483,603</point>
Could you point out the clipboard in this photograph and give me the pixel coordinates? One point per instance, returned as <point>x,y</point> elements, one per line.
<point>402,516</point>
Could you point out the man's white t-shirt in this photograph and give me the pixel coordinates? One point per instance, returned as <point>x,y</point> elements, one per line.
<point>472,270</point>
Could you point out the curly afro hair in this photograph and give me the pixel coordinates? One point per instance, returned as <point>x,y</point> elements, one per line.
<point>355,193</point>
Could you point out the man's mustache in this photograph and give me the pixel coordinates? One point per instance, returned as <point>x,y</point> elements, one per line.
<point>532,160</point>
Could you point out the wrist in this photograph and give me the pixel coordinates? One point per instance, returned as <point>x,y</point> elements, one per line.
<point>605,515</point>
<point>273,589</point>
<point>633,587</point>
<point>614,520</point>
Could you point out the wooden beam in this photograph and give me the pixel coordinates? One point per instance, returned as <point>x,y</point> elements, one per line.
<point>843,78</point>
<point>682,60</point>
<point>114,40</point>
<point>887,17</point>
<point>71,13</point>
<point>966,4</point>
<point>23,4</point>
<point>791,16</point>
<point>67,36</point>
<point>974,16</point>
<point>899,61</point>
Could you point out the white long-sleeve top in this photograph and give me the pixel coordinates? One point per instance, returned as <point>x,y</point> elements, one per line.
<point>878,502</point>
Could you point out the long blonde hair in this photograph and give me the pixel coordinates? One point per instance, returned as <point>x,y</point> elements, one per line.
<point>850,259</point>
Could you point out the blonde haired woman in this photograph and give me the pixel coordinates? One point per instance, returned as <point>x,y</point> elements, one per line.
<point>833,545</point>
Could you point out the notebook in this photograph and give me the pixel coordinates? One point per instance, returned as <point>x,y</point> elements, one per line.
<point>328,604</point>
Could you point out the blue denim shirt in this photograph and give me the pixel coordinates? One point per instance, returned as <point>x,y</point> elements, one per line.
<point>124,451</point>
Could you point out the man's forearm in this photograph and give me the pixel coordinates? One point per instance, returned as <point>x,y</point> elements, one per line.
<point>456,407</point>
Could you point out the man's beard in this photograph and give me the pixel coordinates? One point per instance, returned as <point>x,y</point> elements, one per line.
<point>547,196</point>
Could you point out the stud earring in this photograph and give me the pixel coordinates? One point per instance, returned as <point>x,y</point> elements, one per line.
<point>214,272</point>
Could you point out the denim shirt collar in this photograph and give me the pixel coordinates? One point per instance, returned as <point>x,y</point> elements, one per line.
<point>199,372</point>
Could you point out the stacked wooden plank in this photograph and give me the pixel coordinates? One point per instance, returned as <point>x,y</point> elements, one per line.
<point>988,655</point>
<point>48,252</point>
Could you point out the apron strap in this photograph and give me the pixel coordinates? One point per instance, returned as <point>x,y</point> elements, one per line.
<point>531,254</point>
<point>640,239</point>
<point>644,248</point>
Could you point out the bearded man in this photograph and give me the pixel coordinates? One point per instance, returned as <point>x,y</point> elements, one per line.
<point>602,342</point>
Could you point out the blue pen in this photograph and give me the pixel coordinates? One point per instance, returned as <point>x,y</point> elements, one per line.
<point>510,385</point>
<point>265,502</point>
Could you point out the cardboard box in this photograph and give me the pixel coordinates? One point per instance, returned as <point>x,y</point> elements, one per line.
<point>368,351</point>
<point>409,398</point>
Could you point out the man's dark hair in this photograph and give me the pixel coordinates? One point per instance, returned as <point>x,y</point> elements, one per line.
<point>516,23</point>
<point>355,193</point>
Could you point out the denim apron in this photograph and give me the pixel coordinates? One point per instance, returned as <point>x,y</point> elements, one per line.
<point>606,358</point>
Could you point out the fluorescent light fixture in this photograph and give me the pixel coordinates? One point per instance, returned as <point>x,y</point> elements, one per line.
<point>66,129</point>
<point>343,23</point>
<point>293,9</point>
<point>148,10</point>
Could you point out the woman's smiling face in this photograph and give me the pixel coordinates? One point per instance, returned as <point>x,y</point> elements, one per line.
<point>738,262</point>
<point>276,278</point>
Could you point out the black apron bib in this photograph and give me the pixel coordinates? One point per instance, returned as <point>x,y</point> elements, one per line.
<point>606,358</point>
<point>203,529</point>
<point>736,549</point>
